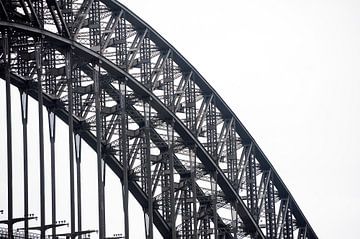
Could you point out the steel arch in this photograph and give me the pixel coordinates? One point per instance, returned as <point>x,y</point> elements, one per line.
<point>167,114</point>
<point>143,92</point>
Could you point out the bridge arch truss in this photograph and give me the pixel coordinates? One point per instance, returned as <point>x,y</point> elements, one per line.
<point>149,115</point>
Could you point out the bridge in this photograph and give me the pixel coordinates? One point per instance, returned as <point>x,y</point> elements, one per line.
<point>152,120</point>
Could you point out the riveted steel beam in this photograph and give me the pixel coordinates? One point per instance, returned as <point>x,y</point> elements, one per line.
<point>226,112</point>
<point>164,112</point>
<point>194,81</point>
<point>177,166</point>
<point>90,139</point>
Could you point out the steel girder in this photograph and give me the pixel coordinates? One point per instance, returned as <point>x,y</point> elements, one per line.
<point>162,80</point>
<point>139,90</point>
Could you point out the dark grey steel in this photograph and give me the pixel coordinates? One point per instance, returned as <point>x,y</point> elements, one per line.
<point>78,179</point>
<point>38,53</point>
<point>68,66</point>
<point>124,148</point>
<point>100,162</point>
<point>6,58</point>
<point>52,121</point>
<point>24,116</point>
<point>187,160</point>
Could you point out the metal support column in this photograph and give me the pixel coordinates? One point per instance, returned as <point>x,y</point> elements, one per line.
<point>100,161</point>
<point>52,120</point>
<point>6,57</point>
<point>78,179</point>
<point>193,188</point>
<point>270,216</point>
<point>149,213</point>
<point>24,116</point>
<point>124,148</point>
<point>169,100</point>
<point>214,190</point>
<point>172,187</point>
<point>71,141</point>
<point>212,142</point>
<point>38,49</point>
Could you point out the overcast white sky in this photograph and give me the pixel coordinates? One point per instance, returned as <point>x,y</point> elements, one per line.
<point>290,71</point>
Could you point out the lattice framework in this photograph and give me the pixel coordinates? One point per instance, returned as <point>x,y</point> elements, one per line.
<point>150,116</point>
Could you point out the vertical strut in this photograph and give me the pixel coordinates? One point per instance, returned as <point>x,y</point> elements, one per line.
<point>270,217</point>
<point>39,12</point>
<point>124,148</point>
<point>100,162</point>
<point>24,116</point>
<point>78,178</point>
<point>38,49</point>
<point>194,194</point>
<point>288,226</point>
<point>71,141</point>
<point>231,152</point>
<point>95,26</point>
<point>214,203</point>
<point>172,187</point>
<point>149,214</point>
<point>211,136</point>
<point>145,72</point>
<point>234,219</point>
<point>189,210</point>
<point>251,185</point>
<point>145,58</point>
<point>6,57</point>
<point>168,78</point>
<point>190,105</point>
<point>232,168</point>
<point>120,45</point>
<point>53,176</point>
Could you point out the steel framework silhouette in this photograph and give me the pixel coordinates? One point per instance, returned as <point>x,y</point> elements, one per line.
<point>151,118</point>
